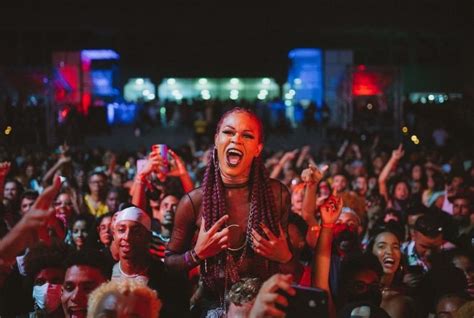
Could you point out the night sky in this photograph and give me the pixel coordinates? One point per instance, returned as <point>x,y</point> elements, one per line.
<point>187,38</point>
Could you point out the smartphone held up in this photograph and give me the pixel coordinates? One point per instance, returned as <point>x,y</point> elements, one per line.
<point>162,150</point>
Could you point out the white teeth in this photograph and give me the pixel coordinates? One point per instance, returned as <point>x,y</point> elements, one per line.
<point>235,152</point>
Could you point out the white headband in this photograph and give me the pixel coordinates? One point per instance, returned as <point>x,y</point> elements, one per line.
<point>134,214</point>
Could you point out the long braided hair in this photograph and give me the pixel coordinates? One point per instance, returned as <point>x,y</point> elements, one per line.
<point>262,204</point>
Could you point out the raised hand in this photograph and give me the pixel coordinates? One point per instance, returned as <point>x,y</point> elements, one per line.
<point>268,297</point>
<point>331,209</point>
<point>212,242</point>
<point>153,164</point>
<point>275,248</point>
<point>398,153</point>
<point>35,220</point>
<point>178,168</point>
<point>312,174</point>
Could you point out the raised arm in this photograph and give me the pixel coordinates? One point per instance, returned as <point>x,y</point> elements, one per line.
<point>179,170</point>
<point>279,166</point>
<point>397,154</point>
<point>311,177</point>
<point>141,180</point>
<point>31,227</point>
<point>330,211</point>
<point>303,156</point>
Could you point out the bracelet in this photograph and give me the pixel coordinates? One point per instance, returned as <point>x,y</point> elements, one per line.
<point>328,225</point>
<point>187,260</point>
<point>195,257</point>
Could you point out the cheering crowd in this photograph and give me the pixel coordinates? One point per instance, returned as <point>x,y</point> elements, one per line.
<point>234,229</point>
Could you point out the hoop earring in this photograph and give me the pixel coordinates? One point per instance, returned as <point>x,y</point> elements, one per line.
<point>215,160</point>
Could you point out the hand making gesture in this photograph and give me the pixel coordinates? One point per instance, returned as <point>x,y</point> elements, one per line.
<point>212,242</point>
<point>274,248</point>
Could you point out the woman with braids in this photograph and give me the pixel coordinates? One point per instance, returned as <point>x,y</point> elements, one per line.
<point>239,214</point>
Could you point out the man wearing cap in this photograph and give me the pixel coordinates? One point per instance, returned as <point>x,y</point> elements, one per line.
<point>427,238</point>
<point>132,232</point>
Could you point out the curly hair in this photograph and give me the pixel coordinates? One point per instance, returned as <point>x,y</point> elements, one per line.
<point>125,288</point>
<point>262,203</point>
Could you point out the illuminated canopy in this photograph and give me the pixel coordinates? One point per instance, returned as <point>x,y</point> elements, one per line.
<point>218,88</point>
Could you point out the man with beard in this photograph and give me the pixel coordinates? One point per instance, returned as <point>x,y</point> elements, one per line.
<point>132,232</point>
<point>360,291</point>
<point>162,225</point>
<point>462,210</point>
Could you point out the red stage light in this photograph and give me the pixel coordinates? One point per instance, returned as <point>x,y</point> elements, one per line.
<point>365,83</point>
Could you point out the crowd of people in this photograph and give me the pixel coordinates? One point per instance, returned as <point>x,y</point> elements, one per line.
<point>232,229</point>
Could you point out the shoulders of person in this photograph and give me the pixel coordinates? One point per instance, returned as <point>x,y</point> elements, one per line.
<point>399,305</point>
<point>192,198</point>
<point>278,186</point>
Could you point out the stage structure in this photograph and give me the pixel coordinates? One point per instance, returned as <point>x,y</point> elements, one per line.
<point>86,78</point>
<point>372,98</point>
<point>176,89</point>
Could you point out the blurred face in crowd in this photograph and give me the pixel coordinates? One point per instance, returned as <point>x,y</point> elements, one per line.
<point>448,306</point>
<point>10,191</point>
<point>238,142</point>
<point>401,191</point>
<point>50,275</point>
<point>364,286</point>
<point>461,211</point>
<point>26,204</point>
<point>30,171</point>
<point>297,199</point>
<point>349,219</point>
<point>105,234</point>
<point>112,201</point>
<point>324,189</point>
<point>456,182</point>
<point>80,178</point>
<point>416,173</point>
<point>387,249</point>
<point>47,289</point>
<point>79,233</point>
<point>63,206</point>
<point>167,209</point>
<point>425,245</point>
<point>117,305</point>
<point>339,183</point>
<point>361,185</point>
<point>97,183</point>
<point>464,263</point>
<point>132,239</point>
<point>79,282</point>
<point>378,163</point>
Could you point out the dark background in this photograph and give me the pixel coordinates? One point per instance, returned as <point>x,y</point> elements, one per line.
<point>228,38</point>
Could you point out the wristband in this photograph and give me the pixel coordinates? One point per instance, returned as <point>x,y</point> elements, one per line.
<point>328,225</point>
<point>187,259</point>
<point>195,257</point>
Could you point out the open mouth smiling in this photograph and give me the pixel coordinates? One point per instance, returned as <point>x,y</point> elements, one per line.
<point>388,262</point>
<point>233,157</point>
